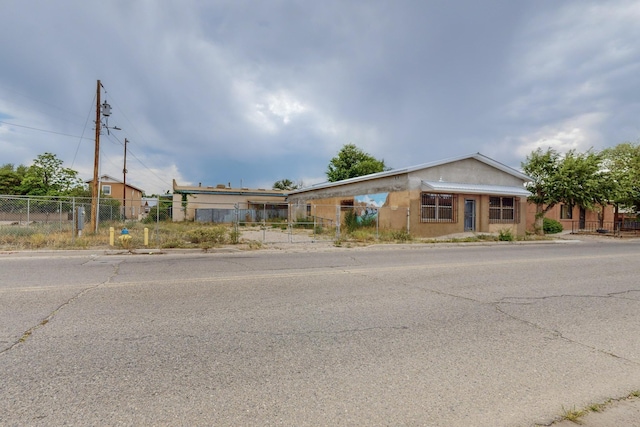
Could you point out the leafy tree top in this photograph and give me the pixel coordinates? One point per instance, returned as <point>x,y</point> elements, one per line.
<point>622,163</point>
<point>11,178</point>
<point>47,177</point>
<point>285,184</point>
<point>576,179</point>
<point>352,162</point>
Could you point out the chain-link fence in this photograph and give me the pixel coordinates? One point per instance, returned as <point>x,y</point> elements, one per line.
<point>71,216</point>
<point>250,221</point>
<point>263,221</point>
<point>74,212</point>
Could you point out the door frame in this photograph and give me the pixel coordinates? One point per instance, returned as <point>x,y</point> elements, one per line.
<point>470,214</point>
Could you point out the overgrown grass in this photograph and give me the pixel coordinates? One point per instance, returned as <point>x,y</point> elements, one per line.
<point>184,235</point>
<point>165,235</point>
<point>573,415</point>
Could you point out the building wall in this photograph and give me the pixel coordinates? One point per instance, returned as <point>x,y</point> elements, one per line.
<point>464,171</point>
<point>217,201</point>
<point>591,216</point>
<point>133,203</point>
<point>402,209</point>
<point>482,220</point>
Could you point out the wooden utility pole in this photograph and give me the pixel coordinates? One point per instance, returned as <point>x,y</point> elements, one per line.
<point>96,162</point>
<point>124,181</point>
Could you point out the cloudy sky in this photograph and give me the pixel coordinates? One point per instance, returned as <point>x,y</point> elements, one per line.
<point>251,92</point>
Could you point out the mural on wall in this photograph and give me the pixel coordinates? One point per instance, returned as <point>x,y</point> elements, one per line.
<point>366,206</point>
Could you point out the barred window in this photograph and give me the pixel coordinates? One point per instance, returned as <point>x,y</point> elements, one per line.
<point>566,212</point>
<point>503,210</point>
<point>438,207</point>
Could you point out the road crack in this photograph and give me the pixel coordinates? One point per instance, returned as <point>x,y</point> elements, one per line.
<point>557,334</point>
<point>42,323</point>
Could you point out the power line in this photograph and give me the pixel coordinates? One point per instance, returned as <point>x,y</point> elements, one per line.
<point>43,130</point>
<point>83,129</point>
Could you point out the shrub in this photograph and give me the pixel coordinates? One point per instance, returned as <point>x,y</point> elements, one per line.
<point>172,244</point>
<point>215,235</point>
<point>505,235</point>
<point>37,240</point>
<point>363,235</point>
<point>305,222</point>
<point>401,235</point>
<point>551,226</point>
<point>234,236</point>
<point>350,220</point>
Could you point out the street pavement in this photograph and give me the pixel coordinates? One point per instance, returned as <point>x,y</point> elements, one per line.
<point>435,335</point>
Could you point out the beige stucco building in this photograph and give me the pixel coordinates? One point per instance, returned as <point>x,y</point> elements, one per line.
<point>223,204</point>
<point>470,193</point>
<point>129,196</point>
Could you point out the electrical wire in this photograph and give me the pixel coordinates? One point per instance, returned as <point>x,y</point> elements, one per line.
<point>83,130</point>
<point>80,138</point>
<point>42,130</point>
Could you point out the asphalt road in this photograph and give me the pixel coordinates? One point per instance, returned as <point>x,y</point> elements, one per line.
<point>436,335</point>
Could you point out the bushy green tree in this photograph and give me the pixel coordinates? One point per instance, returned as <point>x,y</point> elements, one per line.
<point>622,164</point>
<point>352,162</point>
<point>576,179</point>
<point>47,177</point>
<point>10,178</point>
<point>285,184</point>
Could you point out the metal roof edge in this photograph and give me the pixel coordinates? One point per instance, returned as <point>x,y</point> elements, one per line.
<point>460,187</point>
<point>478,156</point>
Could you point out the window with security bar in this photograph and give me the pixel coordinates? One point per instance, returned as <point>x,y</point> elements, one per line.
<point>503,210</point>
<point>438,207</point>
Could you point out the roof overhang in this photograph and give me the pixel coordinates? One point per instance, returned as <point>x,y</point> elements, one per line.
<point>477,156</point>
<point>456,187</point>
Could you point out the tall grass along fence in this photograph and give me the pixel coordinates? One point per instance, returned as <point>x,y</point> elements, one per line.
<point>24,217</point>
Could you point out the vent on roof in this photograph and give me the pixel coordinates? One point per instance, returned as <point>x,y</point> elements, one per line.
<point>221,186</point>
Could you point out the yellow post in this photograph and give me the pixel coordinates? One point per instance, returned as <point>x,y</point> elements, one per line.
<point>146,236</point>
<point>111,236</point>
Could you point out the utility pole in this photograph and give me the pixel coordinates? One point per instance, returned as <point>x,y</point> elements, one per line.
<point>96,162</point>
<point>124,181</point>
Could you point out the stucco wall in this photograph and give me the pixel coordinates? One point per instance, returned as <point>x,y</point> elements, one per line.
<point>591,216</point>
<point>469,171</point>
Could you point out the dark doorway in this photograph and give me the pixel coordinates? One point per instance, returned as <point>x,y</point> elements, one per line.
<point>469,215</point>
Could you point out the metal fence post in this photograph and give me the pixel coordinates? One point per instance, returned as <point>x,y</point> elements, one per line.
<point>73,218</point>
<point>157,221</point>
<point>337,222</point>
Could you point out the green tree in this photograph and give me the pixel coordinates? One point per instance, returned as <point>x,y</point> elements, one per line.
<point>11,178</point>
<point>47,177</point>
<point>576,179</point>
<point>351,162</point>
<point>285,184</point>
<point>622,163</point>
